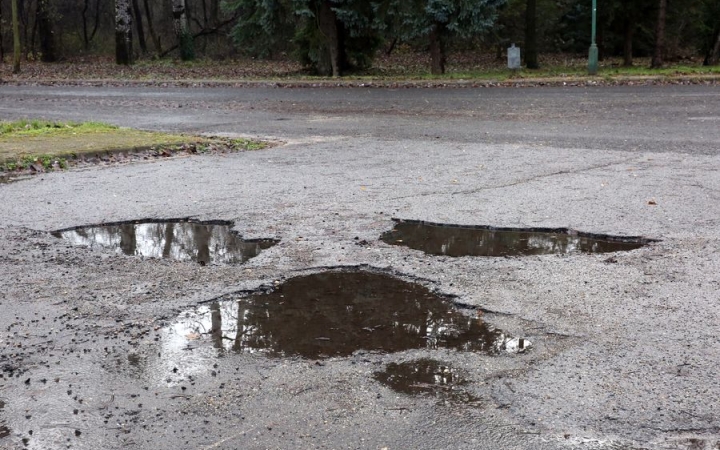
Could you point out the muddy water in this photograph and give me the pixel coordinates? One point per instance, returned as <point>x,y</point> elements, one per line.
<point>450,240</point>
<point>337,313</point>
<point>179,240</point>
<point>418,376</point>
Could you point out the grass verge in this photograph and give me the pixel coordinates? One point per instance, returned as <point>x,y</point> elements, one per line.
<point>39,146</point>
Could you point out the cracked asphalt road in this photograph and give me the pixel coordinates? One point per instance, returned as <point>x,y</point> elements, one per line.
<point>625,352</point>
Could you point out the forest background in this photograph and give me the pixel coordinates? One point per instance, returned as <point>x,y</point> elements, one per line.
<point>341,37</point>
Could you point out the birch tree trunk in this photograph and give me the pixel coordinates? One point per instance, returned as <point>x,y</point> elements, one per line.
<point>123,32</point>
<point>182,30</point>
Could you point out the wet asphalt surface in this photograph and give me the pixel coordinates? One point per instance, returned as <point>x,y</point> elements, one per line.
<point>625,346</point>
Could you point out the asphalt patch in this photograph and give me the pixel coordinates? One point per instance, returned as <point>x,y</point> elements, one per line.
<point>457,240</point>
<point>181,240</point>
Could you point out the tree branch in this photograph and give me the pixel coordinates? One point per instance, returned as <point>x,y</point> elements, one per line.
<point>203,32</point>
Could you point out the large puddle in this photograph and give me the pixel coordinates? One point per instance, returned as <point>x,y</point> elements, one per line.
<point>337,313</point>
<point>452,240</point>
<point>203,242</point>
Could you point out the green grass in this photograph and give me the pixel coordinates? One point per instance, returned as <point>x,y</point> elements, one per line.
<point>26,127</point>
<point>549,72</point>
<point>249,144</point>
<point>26,144</point>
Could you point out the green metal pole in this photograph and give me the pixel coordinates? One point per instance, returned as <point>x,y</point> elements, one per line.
<point>593,57</point>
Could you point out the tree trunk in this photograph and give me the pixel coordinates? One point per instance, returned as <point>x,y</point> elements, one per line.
<point>2,47</point>
<point>182,30</point>
<point>43,18</point>
<point>437,50</point>
<point>151,27</point>
<point>24,21</point>
<point>16,37</point>
<point>713,56</point>
<point>202,241</point>
<point>391,47</point>
<point>206,19</point>
<point>139,26</point>
<point>128,239</point>
<point>123,32</point>
<point>628,44</point>
<point>214,11</point>
<point>216,325</point>
<point>169,238</point>
<point>531,55</point>
<point>657,59</point>
<point>31,50</point>
<point>86,38</point>
<point>331,61</point>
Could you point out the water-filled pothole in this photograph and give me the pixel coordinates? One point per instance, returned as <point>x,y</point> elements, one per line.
<point>337,313</point>
<point>426,377</point>
<point>454,240</point>
<point>181,240</point>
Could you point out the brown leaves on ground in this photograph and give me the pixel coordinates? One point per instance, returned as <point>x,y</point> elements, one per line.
<point>403,62</point>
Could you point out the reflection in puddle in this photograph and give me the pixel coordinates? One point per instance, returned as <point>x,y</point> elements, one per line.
<point>335,314</point>
<point>450,240</point>
<point>423,377</point>
<point>179,240</point>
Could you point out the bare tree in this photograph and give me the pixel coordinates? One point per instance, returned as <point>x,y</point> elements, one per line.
<point>438,56</point>
<point>16,37</point>
<point>123,32</point>
<point>182,30</point>
<point>531,54</point>
<point>44,21</point>
<point>628,42</point>
<point>2,47</point>
<point>88,36</point>
<point>329,27</point>
<point>713,57</point>
<point>657,59</point>
<point>139,26</point>
<point>151,28</point>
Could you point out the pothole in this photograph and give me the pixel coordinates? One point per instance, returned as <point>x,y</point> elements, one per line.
<point>337,313</point>
<point>182,240</point>
<point>455,240</point>
<point>426,377</point>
